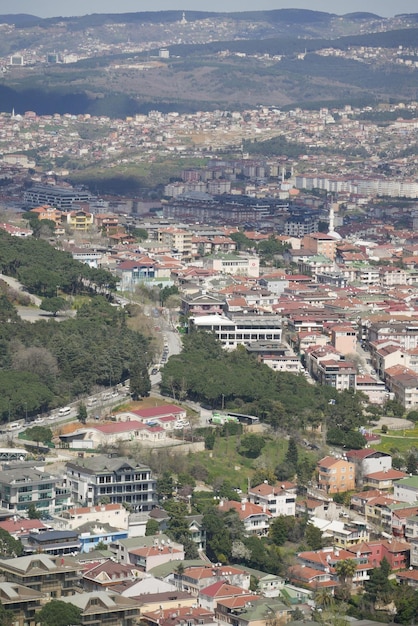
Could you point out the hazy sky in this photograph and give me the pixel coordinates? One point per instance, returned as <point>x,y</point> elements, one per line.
<point>52,8</point>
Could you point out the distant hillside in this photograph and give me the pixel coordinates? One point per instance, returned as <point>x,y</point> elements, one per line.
<point>292,45</point>
<point>20,19</point>
<point>361,16</point>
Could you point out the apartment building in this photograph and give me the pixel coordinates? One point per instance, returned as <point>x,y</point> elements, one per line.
<point>344,338</point>
<point>22,601</point>
<point>22,484</point>
<point>236,265</point>
<point>117,478</point>
<point>321,243</point>
<point>177,240</point>
<point>403,382</point>
<point>60,197</point>
<point>53,576</point>
<point>240,330</point>
<point>335,475</point>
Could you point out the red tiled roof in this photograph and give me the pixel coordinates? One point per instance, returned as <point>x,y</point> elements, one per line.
<point>159,411</point>
<point>392,474</point>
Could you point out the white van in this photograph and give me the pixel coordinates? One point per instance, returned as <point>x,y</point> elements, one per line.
<point>64,411</point>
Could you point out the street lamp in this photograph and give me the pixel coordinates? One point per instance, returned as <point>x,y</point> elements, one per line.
<point>26,412</point>
<point>9,411</point>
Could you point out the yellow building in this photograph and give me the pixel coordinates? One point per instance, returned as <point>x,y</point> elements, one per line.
<point>335,475</point>
<point>79,220</point>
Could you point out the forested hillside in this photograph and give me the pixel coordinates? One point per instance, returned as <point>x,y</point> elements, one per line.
<point>205,372</point>
<point>47,363</point>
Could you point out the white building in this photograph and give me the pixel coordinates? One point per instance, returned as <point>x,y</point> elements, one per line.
<point>278,499</point>
<point>239,331</point>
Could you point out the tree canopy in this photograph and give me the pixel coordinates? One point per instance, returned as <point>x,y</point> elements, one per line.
<point>59,613</point>
<point>210,375</point>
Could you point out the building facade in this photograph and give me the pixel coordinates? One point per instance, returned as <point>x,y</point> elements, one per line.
<point>114,478</point>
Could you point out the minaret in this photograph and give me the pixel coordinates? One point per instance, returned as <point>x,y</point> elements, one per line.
<point>331,220</point>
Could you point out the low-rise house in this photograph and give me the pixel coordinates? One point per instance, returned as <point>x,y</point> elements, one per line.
<point>395,552</point>
<point>147,552</point>
<point>54,576</point>
<point>94,435</point>
<point>382,480</point>
<point>146,585</point>
<point>192,616</point>
<point>104,607</point>
<point>20,527</point>
<point>203,303</point>
<point>55,542</point>
<point>406,489</point>
<point>91,534</point>
<point>148,557</point>
<point>312,578</point>
<point>359,500</point>
<point>256,519</point>
<point>197,577</point>
<point>156,413</point>
<point>227,609</point>
<point>218,591</point>
<point>408,577</point>
<point>113,514</point>
<point>321,566</point>
<point>400,515</point>
<point>279,499</point>
<point>108,574</point>
<point>79,220</point>
<point>160,601</point>
<point>261,613</point>
<point>22,601</point>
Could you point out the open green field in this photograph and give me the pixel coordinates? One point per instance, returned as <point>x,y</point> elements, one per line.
<point>225,462</point>
<point>398,441</point>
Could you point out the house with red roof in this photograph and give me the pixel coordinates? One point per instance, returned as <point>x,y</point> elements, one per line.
<point>227,608</point>
<point>107,574</point>
<point>156,413</point>
<point>196,577</point>
<point>220,590</point>
<point>113,514</point>
<point>147,557</point>
<point>93,435</point>
<point>179,616</point>
<point>20,528</point>
<point>256,518</point>
<point>335,475</point>
<point>279,499</point>
<point>368,461</point>
<point>383,480</point>
<point>395,552</point>
<point>321,566</point>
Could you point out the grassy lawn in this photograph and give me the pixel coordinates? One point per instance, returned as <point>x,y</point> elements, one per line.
<point>398,440</point>
<point>225,462</point>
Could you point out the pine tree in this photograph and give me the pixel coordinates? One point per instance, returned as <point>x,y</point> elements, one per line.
<point>292,452</point>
